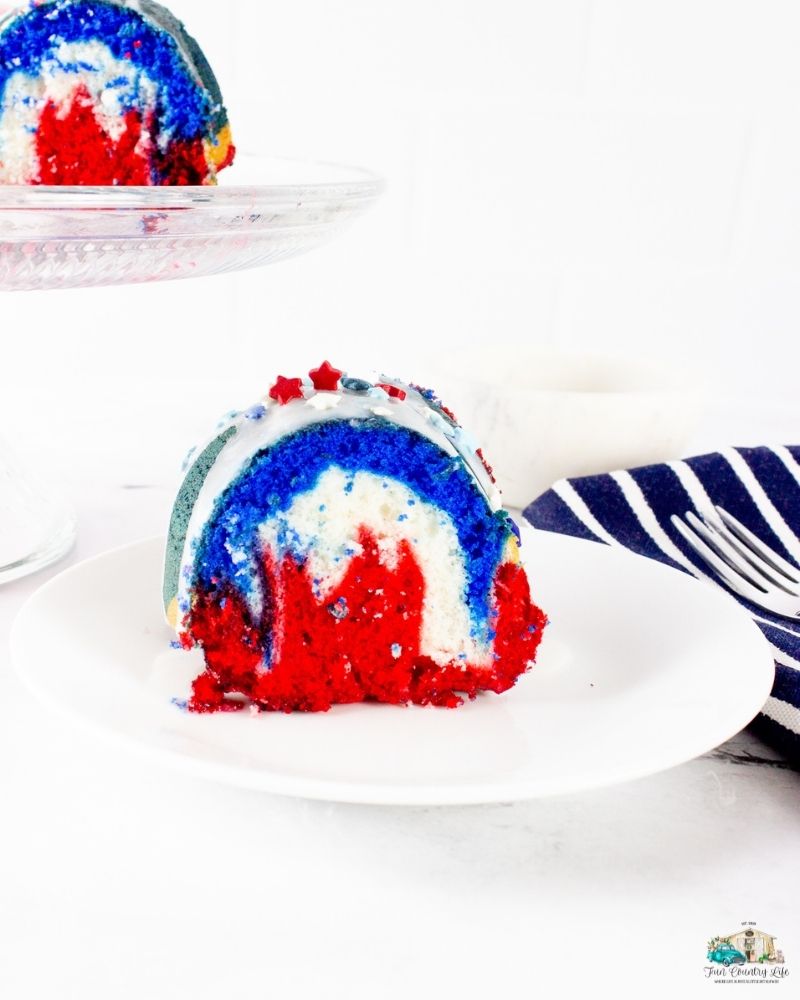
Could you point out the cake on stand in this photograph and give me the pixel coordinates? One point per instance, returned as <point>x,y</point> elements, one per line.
<point>70,237</point>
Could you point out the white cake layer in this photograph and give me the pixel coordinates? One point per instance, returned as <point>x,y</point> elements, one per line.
<point>322,526</point>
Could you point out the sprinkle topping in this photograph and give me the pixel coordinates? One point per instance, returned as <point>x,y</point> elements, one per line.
<point>324,401</point>
<point>393,390</point>
<point>326,377</point>
<point>486,465</point>
<point>286,389</point>
<point>357,385</point>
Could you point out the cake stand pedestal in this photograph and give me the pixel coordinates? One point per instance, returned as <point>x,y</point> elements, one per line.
<point>71,237</point>
<point>36,526</point>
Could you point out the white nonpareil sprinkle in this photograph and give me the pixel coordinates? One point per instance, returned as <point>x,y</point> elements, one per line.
<point>325,401</point>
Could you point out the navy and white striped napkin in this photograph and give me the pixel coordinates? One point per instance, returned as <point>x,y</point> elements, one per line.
<point>759,486</point>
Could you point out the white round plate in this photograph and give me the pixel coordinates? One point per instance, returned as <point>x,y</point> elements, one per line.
<point>640,669</point>
<point>264,210</point>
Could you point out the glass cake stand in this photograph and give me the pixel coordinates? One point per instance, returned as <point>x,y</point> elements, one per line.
<point>71,237</point>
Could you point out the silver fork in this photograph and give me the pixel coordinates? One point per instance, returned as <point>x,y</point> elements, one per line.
<point>743,561</point>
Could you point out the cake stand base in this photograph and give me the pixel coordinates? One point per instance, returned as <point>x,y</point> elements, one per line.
<point>36,528</point>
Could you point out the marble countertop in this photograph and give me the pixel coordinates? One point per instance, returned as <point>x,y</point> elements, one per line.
<point>120,878</point>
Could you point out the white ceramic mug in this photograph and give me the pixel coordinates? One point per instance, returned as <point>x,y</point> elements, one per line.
<point>542,416</point>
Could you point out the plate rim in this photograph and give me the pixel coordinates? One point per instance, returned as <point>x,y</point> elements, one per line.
<point>370,793</point>
<point>361,183</point>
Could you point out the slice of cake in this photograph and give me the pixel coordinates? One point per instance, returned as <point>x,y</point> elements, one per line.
<point>107,92</point>
<point>344,541</point>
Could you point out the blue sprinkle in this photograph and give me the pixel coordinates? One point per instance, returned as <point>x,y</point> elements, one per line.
<point>349,487</point>
<point>30,40</point>
<point>175,644</point>
<point>256,412</point>
<point>339,610</point>
<point>412,503</point>
<point>403,517</point>
<point>356,385</point>
<point>397,650</point>
<point>322,507</point>
<point>532,629</point>
<point>180,703</point>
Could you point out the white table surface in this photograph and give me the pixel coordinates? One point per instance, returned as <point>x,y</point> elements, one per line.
<point>123,879</point>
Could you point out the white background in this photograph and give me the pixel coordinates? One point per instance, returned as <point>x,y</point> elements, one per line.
<point>619,176</point>
<point>614,176</point>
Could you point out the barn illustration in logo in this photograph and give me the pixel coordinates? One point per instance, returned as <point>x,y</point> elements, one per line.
<point>748,946</point>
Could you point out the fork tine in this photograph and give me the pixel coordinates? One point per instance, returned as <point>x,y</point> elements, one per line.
<point>735,582</point>
<point>728,553</point>
<point>758,569</point>
<point>792,573</point>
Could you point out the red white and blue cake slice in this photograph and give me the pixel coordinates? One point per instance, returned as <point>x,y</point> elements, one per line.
<point>107,92</point>
<point>344,541</point>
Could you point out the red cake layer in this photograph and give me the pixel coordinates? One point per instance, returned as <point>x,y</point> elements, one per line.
<point>73,148</point>
<point>361,643</point>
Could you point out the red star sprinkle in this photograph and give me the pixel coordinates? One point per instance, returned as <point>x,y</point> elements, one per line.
<point>286,389</point>
<point>326,377</point>
<point>394,390</point>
